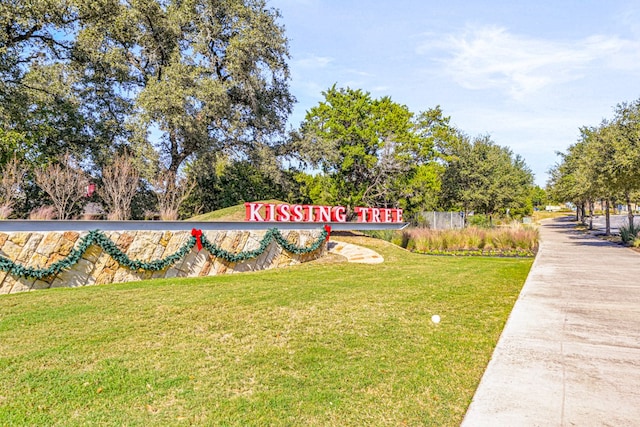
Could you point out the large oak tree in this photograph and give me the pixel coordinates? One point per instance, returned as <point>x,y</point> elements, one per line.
<point>187,76</point>
<point>371,151</point>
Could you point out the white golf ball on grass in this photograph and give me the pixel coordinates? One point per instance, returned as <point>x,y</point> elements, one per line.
<point>435,319</point>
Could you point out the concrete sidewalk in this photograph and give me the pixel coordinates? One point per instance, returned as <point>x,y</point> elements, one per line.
<point>570,352</point>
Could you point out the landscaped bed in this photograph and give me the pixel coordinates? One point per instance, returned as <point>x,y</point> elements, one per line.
<point>318,344</point>
<point>509,241</point>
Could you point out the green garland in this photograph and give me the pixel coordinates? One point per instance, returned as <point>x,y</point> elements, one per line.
<point>272,234</point>
<point>96,237</point>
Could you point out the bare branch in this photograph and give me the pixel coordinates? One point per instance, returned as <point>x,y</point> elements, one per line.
<point>120,184</point>
<point>171,192</point>
<point>65,184</point>
<point>11,183</point>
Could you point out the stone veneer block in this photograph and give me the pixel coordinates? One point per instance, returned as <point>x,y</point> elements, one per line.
<point>124,241</point>
<point>11,250</point>
<point>184,264</point>
<point>164,240</point>
<point>38,261</point>
<point>172,272</point>
<point>159,251</point>
<point>19,239</point>
<point>92,253</point>
<point>218,238</point>
<point>71,236</point>
<point>176,242</point>
<point>5,285</point>
<point>123,274</point>
<point>196,265</point>
<point>49,244</point>
<point>29,247</point>
<point>220,267</point>
<point>20,284</point>
<point>105,275</point>
<point>66,246</point>
<point>143,246</point>
<point>104,261</point>
<point>78,275</point>
<point>40,284</point>
<point>206,268</point>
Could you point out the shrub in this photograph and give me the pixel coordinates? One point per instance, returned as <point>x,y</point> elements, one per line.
<point>5,211</point>
<point>168,213</point>
<point>478,220</point>
<point>629,233</point>
<point>43,213</point>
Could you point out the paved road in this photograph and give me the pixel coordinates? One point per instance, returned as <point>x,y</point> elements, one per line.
<point>599,222</point>
<point>570,352</point>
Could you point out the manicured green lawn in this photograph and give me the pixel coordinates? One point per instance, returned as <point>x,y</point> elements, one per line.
<point>319,344</point>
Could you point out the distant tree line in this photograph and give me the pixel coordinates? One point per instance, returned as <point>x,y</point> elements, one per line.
<point>174,108</point>
<point>603,165</point>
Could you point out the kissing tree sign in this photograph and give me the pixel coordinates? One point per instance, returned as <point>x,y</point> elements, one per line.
<point>282,212</point>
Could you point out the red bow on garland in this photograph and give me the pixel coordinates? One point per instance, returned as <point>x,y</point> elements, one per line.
<point>198,235</point>
<point>327,228</point>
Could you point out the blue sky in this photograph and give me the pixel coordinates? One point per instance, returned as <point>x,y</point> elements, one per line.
<point>527,73</point>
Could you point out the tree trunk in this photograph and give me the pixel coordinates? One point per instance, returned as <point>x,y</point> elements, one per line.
<point>590,214</point>
<point>608,218</point>
<point>629,211</point>
<point>577,212</point>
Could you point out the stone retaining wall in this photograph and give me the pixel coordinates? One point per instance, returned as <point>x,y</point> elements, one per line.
<point>41,249</point>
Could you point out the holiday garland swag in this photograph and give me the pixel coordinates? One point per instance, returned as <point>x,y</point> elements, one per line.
<point>98,238</point>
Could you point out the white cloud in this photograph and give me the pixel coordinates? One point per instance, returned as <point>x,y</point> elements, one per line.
<point>313,62</point>
<point>494,58</point>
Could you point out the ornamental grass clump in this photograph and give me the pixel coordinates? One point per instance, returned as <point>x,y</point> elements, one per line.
<point>629,233</point>
<point>508,241</point>
<point>502,239</point>
<point>43,213</point>
<point>475,238</point>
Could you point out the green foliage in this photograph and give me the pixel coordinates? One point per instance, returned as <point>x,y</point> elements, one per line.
<point>222,183</point>
<point>178,82</point>
<point>49,94</point>
<point>604,163</point>
<point>479,220</point>
<point>371,151</point>
<point>539,197</point>
<point>171,80</point>
<point>220,82</point>
<point>629,233</point>
<point>483,177</point>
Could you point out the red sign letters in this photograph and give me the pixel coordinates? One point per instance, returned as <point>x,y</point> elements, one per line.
<point>282,212</point>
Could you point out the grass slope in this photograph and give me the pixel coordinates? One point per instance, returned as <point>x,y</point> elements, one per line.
<point>232,213</point>
<point>319,345</point>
